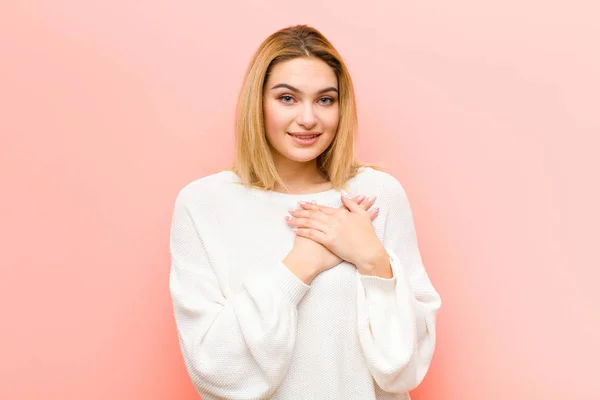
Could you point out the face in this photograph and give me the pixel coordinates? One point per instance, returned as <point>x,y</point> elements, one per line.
<point>301,109</point>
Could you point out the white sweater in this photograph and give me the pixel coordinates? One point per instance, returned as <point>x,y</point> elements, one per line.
<point>250,329</point>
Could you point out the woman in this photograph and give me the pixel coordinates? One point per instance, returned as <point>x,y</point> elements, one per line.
<point>282,287</point>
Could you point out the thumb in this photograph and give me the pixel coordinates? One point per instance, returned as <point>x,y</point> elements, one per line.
<point>352,205</point>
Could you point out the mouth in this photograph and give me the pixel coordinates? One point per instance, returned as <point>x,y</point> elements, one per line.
<point>305,135</point>
<point>305,139</point>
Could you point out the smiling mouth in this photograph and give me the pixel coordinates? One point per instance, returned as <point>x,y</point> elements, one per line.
<point>306,137</point>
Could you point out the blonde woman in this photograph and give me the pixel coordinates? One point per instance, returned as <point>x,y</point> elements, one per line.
<point>296,274</point>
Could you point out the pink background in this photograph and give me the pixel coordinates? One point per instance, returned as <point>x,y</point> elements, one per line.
<point>487,112</point>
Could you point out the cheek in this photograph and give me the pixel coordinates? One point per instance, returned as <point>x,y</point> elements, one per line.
<point>331,120</point>
<point>276,118</point>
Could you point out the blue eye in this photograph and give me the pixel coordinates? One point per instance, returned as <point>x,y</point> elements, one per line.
<point>328,100</point>
<point>286,99</point>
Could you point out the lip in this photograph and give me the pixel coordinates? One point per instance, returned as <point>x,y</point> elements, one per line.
<point>304,133</point>
<point>298,138</point>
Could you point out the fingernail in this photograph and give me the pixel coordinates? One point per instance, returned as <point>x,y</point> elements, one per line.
<point>372,198</point>
<point>376,210</point>
<point>302,203</point>
<point>287,218</point>
<point>312,202</point>
<point>360,198</point>
<point>346,195</point>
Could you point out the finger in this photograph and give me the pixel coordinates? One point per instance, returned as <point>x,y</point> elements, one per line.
<point>367,203</point>
<point>306,223</point>
<point>315,235</point>
<point>373,213</point>
<point>358,199</point>
<point>312,214</point>
<point>352,206</point>
<point>312,206</point>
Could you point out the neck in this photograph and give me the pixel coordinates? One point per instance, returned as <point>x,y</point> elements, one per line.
<point>300,177</point>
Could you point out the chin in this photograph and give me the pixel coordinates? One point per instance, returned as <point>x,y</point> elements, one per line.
<point>298,154</point>
<point>302,158</point>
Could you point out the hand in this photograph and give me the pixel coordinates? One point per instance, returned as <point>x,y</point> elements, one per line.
<point>309,258</point>
<point>346,232</point>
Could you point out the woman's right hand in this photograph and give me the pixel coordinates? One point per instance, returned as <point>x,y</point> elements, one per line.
<point>307,259</point>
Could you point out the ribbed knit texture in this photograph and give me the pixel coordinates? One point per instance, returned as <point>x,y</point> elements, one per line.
<point>250,329</point>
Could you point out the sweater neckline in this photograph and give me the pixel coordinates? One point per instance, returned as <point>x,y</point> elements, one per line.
<point>317,196</point>
<point>325,196</point>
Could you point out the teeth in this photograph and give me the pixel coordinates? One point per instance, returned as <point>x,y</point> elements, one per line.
<point>306,137</point>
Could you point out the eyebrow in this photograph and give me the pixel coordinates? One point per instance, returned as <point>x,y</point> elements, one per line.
<point>293,89</point>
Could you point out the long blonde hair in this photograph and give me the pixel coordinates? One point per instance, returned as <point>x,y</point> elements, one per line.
<point>254,162</point>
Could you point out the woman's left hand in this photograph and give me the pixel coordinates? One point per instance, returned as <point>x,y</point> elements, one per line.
<point>346,232</point>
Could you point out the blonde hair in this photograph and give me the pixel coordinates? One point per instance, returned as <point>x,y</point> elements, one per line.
<point>253,161</point>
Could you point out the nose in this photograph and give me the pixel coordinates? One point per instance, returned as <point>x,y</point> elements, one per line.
<point>307,117</point>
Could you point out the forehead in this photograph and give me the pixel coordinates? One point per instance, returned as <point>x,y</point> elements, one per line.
<point>306,74</point>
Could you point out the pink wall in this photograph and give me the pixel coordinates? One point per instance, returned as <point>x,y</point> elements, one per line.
<point>488,112</point>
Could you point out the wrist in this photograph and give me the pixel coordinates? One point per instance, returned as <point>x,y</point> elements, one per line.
<point>377,265</point>
<point>300,267</point>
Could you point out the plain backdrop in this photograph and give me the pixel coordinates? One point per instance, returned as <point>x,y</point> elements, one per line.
<point>486,111</point>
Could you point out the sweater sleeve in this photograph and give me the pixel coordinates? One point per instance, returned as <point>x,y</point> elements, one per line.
<point>397,316</point>
<point>238,346</point>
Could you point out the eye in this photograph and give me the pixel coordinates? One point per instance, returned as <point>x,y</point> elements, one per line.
<point>326,101</point>
<point>286,99</point>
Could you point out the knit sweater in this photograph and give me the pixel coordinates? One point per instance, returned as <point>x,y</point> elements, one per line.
<point>250,329</point>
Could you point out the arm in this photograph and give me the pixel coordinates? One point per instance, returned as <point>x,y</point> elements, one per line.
<point>397,316</point>
<point>236,347</point>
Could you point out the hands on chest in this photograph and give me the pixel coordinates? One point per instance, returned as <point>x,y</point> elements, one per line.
<point>326,236</point>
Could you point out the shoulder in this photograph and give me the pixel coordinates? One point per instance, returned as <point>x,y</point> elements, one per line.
<point>382,183</point>
<point>207,188</point>
<point>392,199</point>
